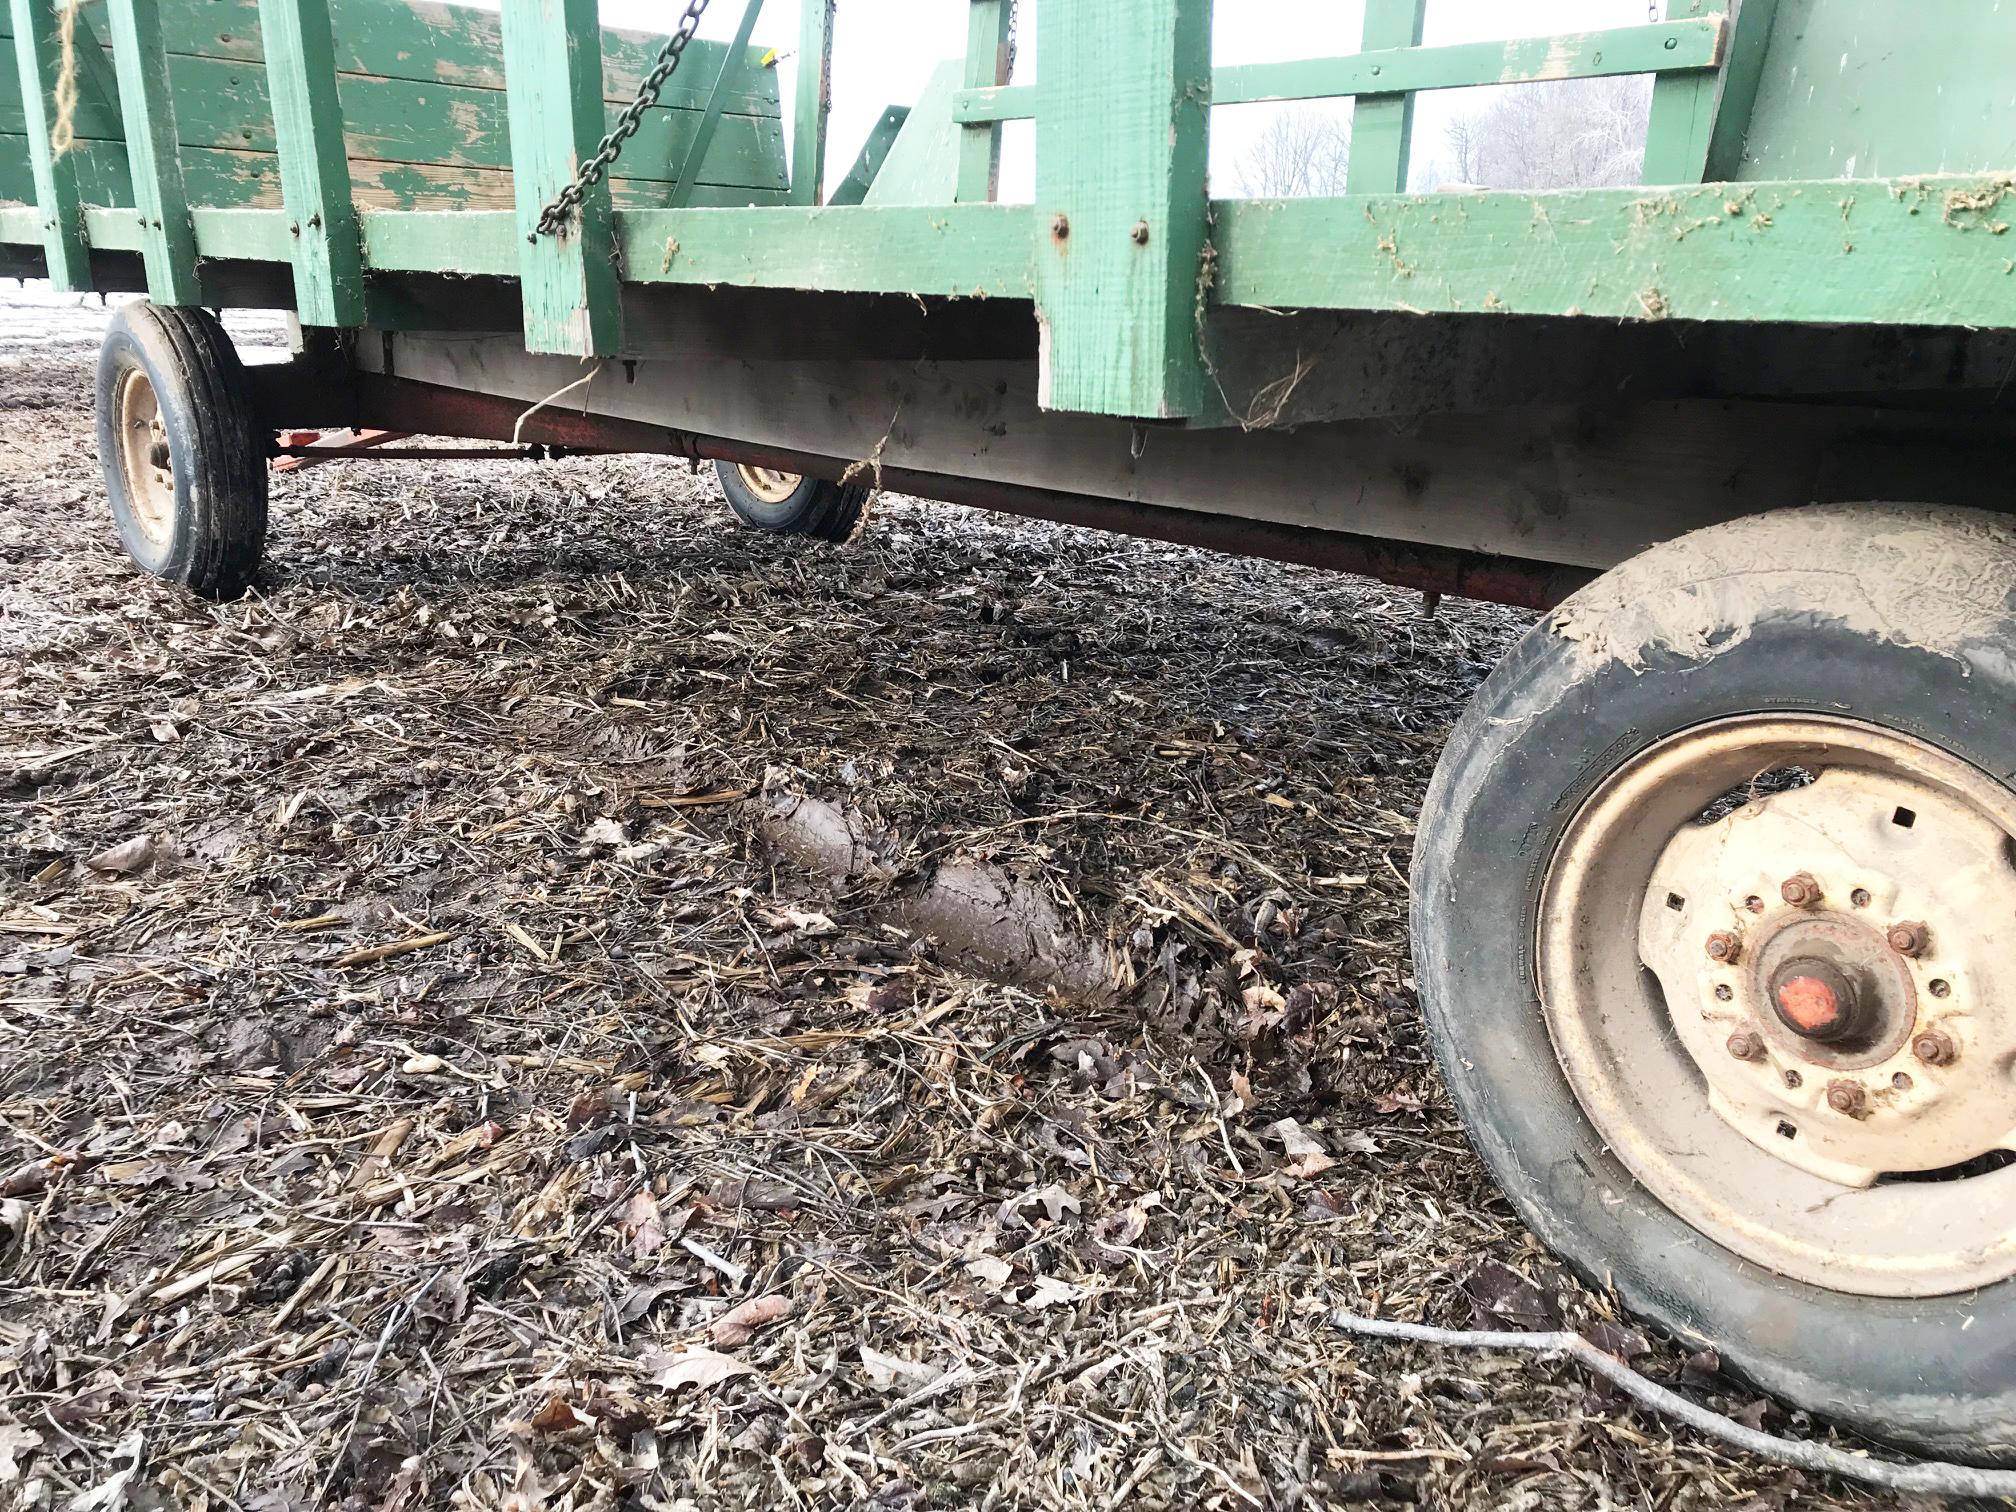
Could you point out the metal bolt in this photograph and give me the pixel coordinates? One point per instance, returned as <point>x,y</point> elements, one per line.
<point>1800,890</point>
<point>1746,1046</point>
<point>1934,1048</point>
<point>1724,947</point>
<point>1910,938</point>
<point>1140,233</point>
<point>293,228</point>
<point>1847,1097</point>
<point>1061,227</point>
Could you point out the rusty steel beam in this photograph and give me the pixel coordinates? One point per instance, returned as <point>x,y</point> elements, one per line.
<point>433,409</point>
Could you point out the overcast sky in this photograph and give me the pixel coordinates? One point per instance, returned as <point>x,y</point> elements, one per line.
<point>884,50</point>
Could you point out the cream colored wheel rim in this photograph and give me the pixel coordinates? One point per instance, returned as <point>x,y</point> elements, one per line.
<point>145,461</point>
<point>1683,989</point>
<point>768,484</point>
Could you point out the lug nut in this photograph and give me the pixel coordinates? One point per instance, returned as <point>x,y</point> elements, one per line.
<point>1800,890</point>
<point>1933,1047</point>
<point>1724,947</point>
<point>1909,938</point>
<point>1746,1046</point>
<point>1847,1097</point>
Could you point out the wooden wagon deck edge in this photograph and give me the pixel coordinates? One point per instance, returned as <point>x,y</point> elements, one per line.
<point>1915,251</point>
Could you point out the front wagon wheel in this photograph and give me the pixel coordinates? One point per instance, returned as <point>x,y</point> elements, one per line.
<point>1713,915</point>
<point>788,503</point>
<point>180,447</point>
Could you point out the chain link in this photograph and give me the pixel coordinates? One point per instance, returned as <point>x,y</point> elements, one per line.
<point>555,215</point>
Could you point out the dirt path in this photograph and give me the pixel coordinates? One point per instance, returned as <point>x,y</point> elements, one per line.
<point>456,1100</point>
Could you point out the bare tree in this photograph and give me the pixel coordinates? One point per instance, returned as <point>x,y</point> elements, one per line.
<point>1303,151</point>
<point>1566,134</point>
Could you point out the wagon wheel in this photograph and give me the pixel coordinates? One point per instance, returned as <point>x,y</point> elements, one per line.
<point>1713,903</point>
<point>789,503</point>
<point>180,448</point>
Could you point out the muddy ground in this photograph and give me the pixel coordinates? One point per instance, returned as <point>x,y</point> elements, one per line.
<point>445,1095</point>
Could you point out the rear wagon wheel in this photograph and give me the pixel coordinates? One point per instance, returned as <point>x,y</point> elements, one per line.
<point>180,448</point>
<point>788,503</point>
<point>1712,915</point>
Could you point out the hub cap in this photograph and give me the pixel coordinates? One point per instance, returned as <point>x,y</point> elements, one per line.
<point>144,458</point>
<point>768,484</point>
<point>1783,1009</point>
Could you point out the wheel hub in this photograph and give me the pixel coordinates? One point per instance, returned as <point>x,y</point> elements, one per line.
<point>1834,1004</point>
<point>1783,1010</point>
<point>769,484</point>
<point>145,457</point>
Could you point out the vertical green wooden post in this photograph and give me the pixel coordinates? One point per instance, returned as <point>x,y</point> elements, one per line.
<point>1701,121</point>
<point>1382,126</point>
<point>39,53</point>
<point>1122,142</point>
<point>314,169</point>
<point>987,26</point>
<point>717,99</point>
<point>568,280</point>
<point>815,100</point>
<point>167,239</point>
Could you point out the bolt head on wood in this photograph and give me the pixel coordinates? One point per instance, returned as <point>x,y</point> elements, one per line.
<point>1061,227</point>
<point>1724,947</point>
<point>1909,938</point>
<point>1140,233</point>
<point>1800,890</point>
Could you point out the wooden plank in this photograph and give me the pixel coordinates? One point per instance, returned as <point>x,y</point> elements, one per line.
<point>1872,89</point>
<point>251,181</point>
<point>815,100</point>
<point>38,55</point>
<point>431,43</point>
<point>1382,126</point>
<point>1892,252</point>
<point>853,189</point>
<point>227,105</point>
<point>959,251</point>
<point>314,172</point>
<point>710,120</point>
<point>168,242</point>
<point>1682,126</point>
<point>1742,75</point>
<point>1664,47</point>
<point>922,165</point>
<point>1121,149</point>
<point>988,24</point>
<point>568,279</point>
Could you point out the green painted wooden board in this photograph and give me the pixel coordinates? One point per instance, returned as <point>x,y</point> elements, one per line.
<point>314,176</point>
<point>1930,252</point>
<point>1874,89</point>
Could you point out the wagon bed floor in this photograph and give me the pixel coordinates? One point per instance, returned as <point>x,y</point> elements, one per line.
<point>481,1216</point>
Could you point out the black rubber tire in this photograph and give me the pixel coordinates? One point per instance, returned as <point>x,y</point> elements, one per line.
<point>217,535</point>
<point>816,508</point>
<point>1901,616</point>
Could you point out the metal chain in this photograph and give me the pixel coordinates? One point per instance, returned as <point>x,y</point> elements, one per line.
<point>555,215</point>
<point>1014,25</point>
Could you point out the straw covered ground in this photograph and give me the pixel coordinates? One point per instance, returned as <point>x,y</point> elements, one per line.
<point>430,1075</point>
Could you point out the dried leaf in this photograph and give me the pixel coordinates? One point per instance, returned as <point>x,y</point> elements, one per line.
<point>695,1366</point>
<point>642,1224</point>
<point>739,1324</point>
<point>125,858</point>
<point>1502,1298</point>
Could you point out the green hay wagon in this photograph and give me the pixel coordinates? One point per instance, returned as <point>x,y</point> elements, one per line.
<point>1716,889</point>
